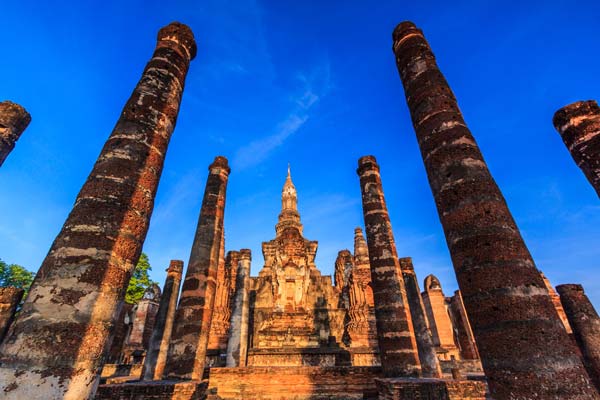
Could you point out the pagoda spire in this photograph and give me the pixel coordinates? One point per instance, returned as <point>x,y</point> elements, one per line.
<point>289,216</point>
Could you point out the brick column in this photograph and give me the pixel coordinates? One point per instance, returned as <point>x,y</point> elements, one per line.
<point>61,336</point>
<point>156,355</point>
<point>468,348</point>
<point>237,347</point>
<point>397,345</point>
<point>585,323</point>
<point>579,127</point>
<point>430,364</point>
<point>219,327</point>
<point>10,297</point>
<point>524,348</point>
<point>189,340</point>
<point>13,121</point>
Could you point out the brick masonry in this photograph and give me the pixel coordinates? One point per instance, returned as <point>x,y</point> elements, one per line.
<point>13,121</point>
<point>189,340</point>
<point>524,348</point>
<point>585,323</point>
<point>10,297</point>
<point>579,128</point>
<point>61,336</point>
<point>397,344</point>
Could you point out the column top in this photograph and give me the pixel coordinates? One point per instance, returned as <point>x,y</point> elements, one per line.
<point>246,254</point>
<point>569,287</point>
<point>180,34</point>
<point>406,264</point>
<point>175,266</point>
<point>367,163</point>
<point>563,116</point>
<point>220,162</point>
<point>404,29</point>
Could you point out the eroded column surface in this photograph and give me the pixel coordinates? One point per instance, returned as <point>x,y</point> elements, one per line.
<point>189,340</point>
<point>219,327</point>
<point>59,340</point>
<point>585,323</point>
<point>397,345</point>
<point>579,127</point>
<point>13,121</point>
<point>430,365</point>
<point>524,348</point>
<point>468,348</point>
<point>237,347</point>
<point>10,297</point>
<point>156,356</point>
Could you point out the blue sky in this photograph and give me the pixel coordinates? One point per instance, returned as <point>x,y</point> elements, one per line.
<point>313,84</point>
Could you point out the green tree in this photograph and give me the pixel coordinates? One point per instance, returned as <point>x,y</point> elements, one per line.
<point>15,275</point>
<point>140,280</point>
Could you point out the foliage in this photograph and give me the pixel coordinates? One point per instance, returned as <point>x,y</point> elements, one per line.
<point>140,280</point>
<point>15,275</point>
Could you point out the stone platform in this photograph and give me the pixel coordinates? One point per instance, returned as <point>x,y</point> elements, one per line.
<point>430,389</point>
<point>290,357</point>
<point>293,383</point>
<point>153,390</point>
<point>297,383</point>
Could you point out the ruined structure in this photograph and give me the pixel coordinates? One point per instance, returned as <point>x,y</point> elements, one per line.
<point>10,297</point>
<point>237,345</point>
<point>397,344</point>
<point>13,121</point>
<point>156,357</point>
<point>523,345</point>
<point>586,327</point>
<point>189,340</point>
<point>296,318</point>
<point>57,344</point>
<point>144,319</point>
<point>430,365</point>
<point>439,319</point>
<point>579,127</point>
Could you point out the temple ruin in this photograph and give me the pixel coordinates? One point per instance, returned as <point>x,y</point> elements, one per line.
<point>369,331</point>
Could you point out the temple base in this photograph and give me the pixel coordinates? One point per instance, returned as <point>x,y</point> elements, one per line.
<point>432,389</point>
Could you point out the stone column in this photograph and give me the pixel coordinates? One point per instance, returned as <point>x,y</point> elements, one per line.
<point>13,121</point>
<point>144,320</point>
<point>156,356</point>
<point>579,127</point>
<point>58,343</point>
<point>585,323</point>
<point>237,347</point>
<point>524,348</point>
<point>10,297</point>
<point>219,327</point>
<point>468,348</point>
<point>397,344</point>
<point>362,325</point>
<point>189,340</point>
<point>430,365</point>
<point>343,268</point>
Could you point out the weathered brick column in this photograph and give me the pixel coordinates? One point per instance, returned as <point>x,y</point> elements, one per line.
<point>237,347</point>
<point>10,297</point>
<point>219,326</point>
<point>59,340</point>
<point>189,340</point>
<point>468,348</point>
<point>13,121</point>
<point>430,365</point>
<point>156,356</point>
<point>585,323</point>
<point>397,344</point>
<point>524,348</point>
<point>579,127</point>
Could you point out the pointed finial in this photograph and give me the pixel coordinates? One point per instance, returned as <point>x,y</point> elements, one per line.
<point>289,173</point>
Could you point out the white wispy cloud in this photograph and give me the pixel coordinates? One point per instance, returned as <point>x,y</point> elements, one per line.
<point>313,87</point>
